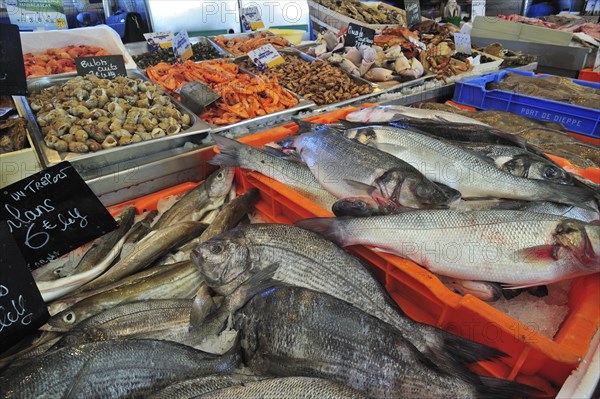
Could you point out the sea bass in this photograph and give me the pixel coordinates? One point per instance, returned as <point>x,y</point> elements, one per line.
<point>298,177</point>
<point>109,369</point>
<point>518,249</point>
<point>207,196</point>
<point>348,169</point>
<point>389,113</point>
<point>462,170</point>
<point>194,387</point>
<point>336,341</point>
<point>307,260</point>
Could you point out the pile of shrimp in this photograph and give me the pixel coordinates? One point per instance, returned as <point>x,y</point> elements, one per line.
<point>243,44</point>
<point>242,96</point>
<point>58,60</point>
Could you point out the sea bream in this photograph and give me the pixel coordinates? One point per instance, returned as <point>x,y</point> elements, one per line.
<point>460,169</point>
<point>518,249</point>
<point>349,169</point>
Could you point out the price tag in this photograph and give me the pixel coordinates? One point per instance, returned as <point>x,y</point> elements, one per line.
<point>21,306</point>
<point>12,68</point>
<point>359,35</point>
<point>182,48</point>
<point>105,66</point>
<point>53,212</point>
<point>477,9</point>
<point>266,57</point>
<point>463,43</point>
<point>37,14</point>
<point>159,39</point>
<point>413,12</point>
<point>251,19</point>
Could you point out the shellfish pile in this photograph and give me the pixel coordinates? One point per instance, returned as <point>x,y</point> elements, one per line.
<point>90,114</point>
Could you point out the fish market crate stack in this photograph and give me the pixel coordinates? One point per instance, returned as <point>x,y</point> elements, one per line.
<point>575,118</point>
<point>533,358</point>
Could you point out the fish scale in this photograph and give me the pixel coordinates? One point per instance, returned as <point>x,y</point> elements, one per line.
<point>307,260</point>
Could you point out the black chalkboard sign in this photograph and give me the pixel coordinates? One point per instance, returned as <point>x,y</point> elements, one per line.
<point>52,213</point>
<point>413,12</point>
<point>12,67</point>
<point>358,35</point>
<point>105,66</point>
<point>21,306</point>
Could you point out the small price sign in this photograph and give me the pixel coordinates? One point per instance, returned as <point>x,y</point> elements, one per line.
<point>159,39</point>
<point>251,19</point>
<point>104,67</point>
<point>182,48</point>
<point>413,12</point>
<point>266,57</point>
<point>462,41</point>
<point>359,35</point>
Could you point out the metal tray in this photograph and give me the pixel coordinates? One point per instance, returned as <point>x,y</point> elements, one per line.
<point>245,34</point>
<point>139,48</point>
<point>103,158</point>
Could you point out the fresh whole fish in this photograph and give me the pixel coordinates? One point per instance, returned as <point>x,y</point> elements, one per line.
<point>307,260</point>
<point>207,196</point>
<point>462,170</point>
<point>297,177</point>
<point>522,163</point>
<point>137,232</point>
<point>348,169</point>
<point>484,290</point>
<point>390,113</point>
<point>109,369</point>
<point>518,249</point>
<point>148,250</point>
<point>292,331</point>
<point>194,387</point>
<point>180,281</point>
<point>289,388</point>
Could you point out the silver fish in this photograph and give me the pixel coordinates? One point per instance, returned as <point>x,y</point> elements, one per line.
<point>387,113</point>
<point>289,388</point>
<point>518,249</point>
<point>298,177</point>
<point>462,170</point>
<point>307,260</point>
<point>194,387</point>
<point>109,369</point>
<point>207,196</point>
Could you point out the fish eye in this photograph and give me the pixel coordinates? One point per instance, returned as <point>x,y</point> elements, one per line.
<point>550,172</point>
<point>215,249</point>
<point>220,176</point>
<point>69,318</point>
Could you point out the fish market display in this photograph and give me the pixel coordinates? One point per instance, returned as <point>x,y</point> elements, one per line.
<point>510,247</point>
<point>316,81</point>
<point>120,368</point>
<point>305,259</point>
<point>291,387</point>
<point>201,51</point>
<point>58,60</point>
<point>346,168</point>
<point>355,9</point>
<point>332,339</point>
<point>243,44</point>
<point>552,87</point>
<point>90,114</point>
<point>511,58</point>
<point>242,96</point>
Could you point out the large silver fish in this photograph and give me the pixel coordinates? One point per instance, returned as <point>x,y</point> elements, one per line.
<point>518,249</point>
<point>388,113</point>
<point>296,176</point>
<point>110,369</point>
<point>456,167</point>
<point>292,331</point>
<point>348,169</point>
<point>307,260</point>
<point>194,387</point>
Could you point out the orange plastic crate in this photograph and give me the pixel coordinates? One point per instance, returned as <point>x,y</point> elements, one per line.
<point>589,75</point>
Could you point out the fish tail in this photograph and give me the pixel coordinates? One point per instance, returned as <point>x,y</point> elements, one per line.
<point>466,351</point>
<point>229,151</point>
<point>326,227</point>
<point>495,388</point>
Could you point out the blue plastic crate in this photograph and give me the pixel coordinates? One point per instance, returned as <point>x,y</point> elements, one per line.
<point>574,118</point>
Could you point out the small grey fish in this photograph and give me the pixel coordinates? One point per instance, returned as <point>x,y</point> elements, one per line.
<point>138,231</point>
<point>207,196</point>
<point>109,369</point>
<point>194,387</point>
<point>289,388</point>
<point>292,331</point>
<point>297,176</point>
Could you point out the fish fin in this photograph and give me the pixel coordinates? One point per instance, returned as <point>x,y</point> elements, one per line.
<point>229,151</point>
<point>517,140</point>
<point>202,306</point>
<point>326,227</point>
<point>306,126</point>
<point>496,388</point>
<point>537,253</point>
<point>571,195</point>
<point>351,125</point>
<point>288,156</point>
<point>361,188</point>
